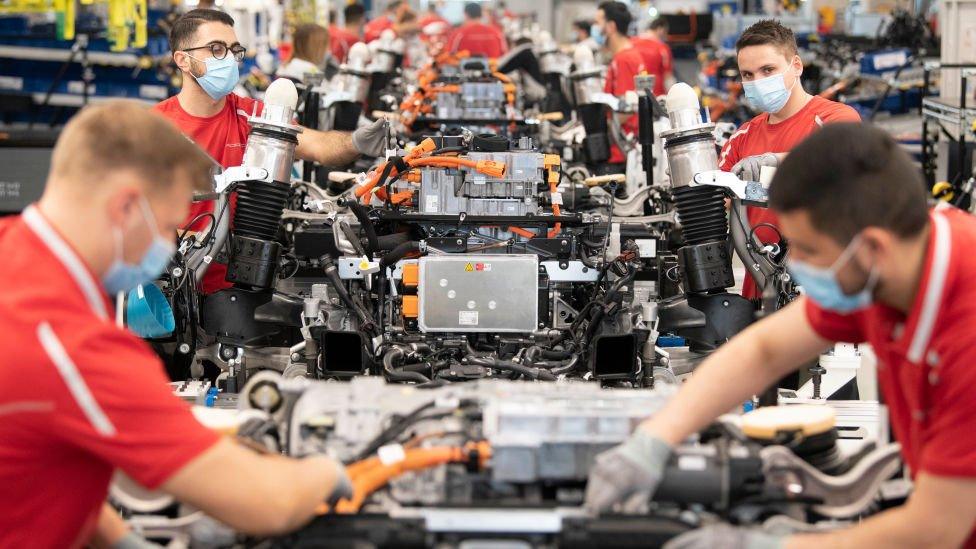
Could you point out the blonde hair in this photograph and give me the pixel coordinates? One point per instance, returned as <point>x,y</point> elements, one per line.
<point>121,135</point>
<point>311,42</point>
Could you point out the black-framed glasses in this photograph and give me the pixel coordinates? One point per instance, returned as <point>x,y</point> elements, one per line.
<point>220,49</point>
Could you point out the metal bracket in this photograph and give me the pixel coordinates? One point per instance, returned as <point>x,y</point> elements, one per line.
<point>750,192</point>
<point>574,271</point>
<point>231,176</point>
<point>843,496</point>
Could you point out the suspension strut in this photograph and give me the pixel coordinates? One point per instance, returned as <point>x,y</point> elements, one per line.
<point>255,251</point>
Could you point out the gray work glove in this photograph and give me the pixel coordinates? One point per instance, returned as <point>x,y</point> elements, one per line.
<point>748,168</point>
<point>628,474</point>
<point>726,536</point>
<point>372,140</point>
<point>133,540</point>
<point>343,486</point>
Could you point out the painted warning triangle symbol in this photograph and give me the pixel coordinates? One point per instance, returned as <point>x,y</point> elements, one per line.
<point>468,268</point>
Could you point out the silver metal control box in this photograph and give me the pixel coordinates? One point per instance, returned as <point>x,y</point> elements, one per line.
<point>479,293</point>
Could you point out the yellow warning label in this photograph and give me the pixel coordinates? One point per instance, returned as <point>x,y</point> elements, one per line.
<point>468,268</point>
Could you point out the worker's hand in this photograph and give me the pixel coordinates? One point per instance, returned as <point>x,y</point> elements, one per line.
<point>343,486</point>
<point>371,140</point>
<point>726,536</point>
<point>749,168</point>
<point>133,540</point>
<point>627,475</point>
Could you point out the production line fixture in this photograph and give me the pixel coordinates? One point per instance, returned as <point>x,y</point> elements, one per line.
<point>477,462</point>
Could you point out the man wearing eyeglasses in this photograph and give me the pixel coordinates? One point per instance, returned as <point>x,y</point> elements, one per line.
<point>206,50</point>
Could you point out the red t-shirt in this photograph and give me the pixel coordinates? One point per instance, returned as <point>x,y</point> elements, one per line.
<point>79,397</point>
<point>375,28</point>
<point>477,39</point>
<point>758,136</point>
<point>224,137</point>
<point>656,60</point>
<point>625,65</point>
<point>927,359</point>
<point>340,40</point>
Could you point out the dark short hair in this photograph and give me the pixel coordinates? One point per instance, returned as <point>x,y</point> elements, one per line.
<point>583,25</point>
<point>185,28</point>
<point>394,4</point>
<point>619,13</point>
<point>659,23</point>
<point>768,32</point>
<point>473,10</point>
<point>848,177</point>
<point>353,13</point>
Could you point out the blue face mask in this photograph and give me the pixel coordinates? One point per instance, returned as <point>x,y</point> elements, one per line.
<point>596,33</point>
<point>768,94</point>
<point>122,276</point>
<point>822,285</point>
<point>221,77</point>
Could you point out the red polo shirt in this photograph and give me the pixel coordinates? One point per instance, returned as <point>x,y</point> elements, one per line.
<point>224,137</point>
<point>758,136</point>
<point>927,359</point>
<point>375,28</point>
<point>340,40</point>
<point>79,397</point>
<point>477,39</point>
<point>625,65</point>
<point>656,60</point>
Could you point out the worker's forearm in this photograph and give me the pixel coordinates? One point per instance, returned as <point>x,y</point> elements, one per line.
<point>109,530</point>
<point>892,529</point>
<point>736,371</point>
<point>313,481</point>
<point>332,148</point>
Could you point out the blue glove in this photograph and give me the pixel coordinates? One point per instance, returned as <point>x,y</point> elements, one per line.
<point>726,536</point>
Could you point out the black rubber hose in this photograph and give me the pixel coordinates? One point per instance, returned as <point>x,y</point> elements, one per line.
<point>394,355</point>
<point>554,355</point>
<point>353,238</point>
<point>527,371</point>
<point>333,274</point>
<point>363,216</point>
<point>398,253</point>
<point>389,241</point>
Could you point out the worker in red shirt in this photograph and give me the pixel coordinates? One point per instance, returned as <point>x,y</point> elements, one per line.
<point>81,397</point>
<point>657,55</point>
<point>351,32</point>
<point>878,267</point>
<point>205,48</point>
<point>610,25</point>
<point>394,17</point>
<point>433,15</point>
<point>771,67</point>
<point>475,37</point>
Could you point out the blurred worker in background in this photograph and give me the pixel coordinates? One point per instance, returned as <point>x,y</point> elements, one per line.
<point>207,52</point>
<point>610,28</point>
<point>657,55</point>
<point>98,399</point>
<point>582,29</point>
<point>342,38</point>
<point>396,16</point>
<point>433,15</point>
<point>475,37</point>
<point>311,49</point>
<point>771,67</point>
<point>879,267</point>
